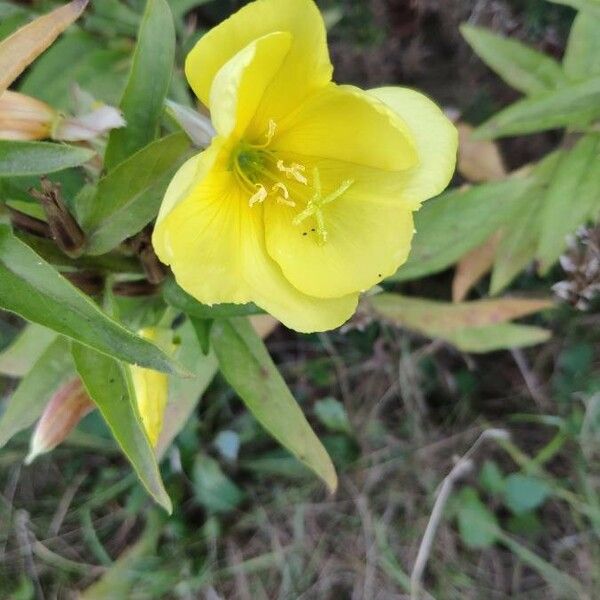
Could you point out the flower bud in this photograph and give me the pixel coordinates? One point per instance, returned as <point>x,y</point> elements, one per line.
<point>152,387</point>
<point>64,411</point>
<point>25,118</point>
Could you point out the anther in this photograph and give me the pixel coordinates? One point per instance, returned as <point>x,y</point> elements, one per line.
<point>259,196</point>
<point>294,171</point>
<point>284,195</point>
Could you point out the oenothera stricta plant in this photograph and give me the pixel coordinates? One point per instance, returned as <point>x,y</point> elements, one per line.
<point>304,198</point>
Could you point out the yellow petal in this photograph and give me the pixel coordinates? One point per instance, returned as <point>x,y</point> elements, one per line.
<point>215,244</point>
<point>436,141</point>
<point>368,236</point>
<point>151,392</point>
<point>239,86</point>
<point>347,124</point>
<point>305,68</point>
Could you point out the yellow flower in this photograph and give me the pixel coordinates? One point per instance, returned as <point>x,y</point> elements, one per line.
<point>151,391</point>
<point>305,196</point>
<point>24,118</point>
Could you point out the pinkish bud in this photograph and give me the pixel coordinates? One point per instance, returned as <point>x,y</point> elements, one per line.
<point>24,118</point>
<point>64,411</point>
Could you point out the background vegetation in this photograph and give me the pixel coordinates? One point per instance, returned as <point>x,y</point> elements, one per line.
<point>392,396</point>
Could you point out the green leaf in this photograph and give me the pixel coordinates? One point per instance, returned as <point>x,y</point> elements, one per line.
<point>591,6</point>
<point>523,493</point>
<point>333,415</point>
<point>521,233</point>
<point>28,401</point>
<point>247,366</point>
<point>181,300</point>
<point>99,70</point>
<point>107,381</point>
<point>185,393</point>
<point>21,355</point>
<point>497,337</point>
<point>477,525</point>
<point>491,478</point>
<point>212,488</point>
<point>583,49</point>
<point>456,222</point>
<point>148,84</point>
<point>573,197</point>
<point>39,158</point>
<point>129,197</point>
<point>33,289</point>
<point>523,68</point>
<point>574,104</point>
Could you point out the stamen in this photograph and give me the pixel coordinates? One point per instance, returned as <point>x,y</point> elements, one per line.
<point>295,171</point>
<point>259,196</point>
<point>284,195</point>
<point>269,135</point>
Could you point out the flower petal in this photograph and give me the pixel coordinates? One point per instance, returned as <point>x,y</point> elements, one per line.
<point>239,86</point>
<point>347,124</point>
<point>368,236</point>
<point>436,141</point>
<point>306,67</point>
<point>215,244</point>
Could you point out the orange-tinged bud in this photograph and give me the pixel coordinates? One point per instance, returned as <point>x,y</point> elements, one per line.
<point>25,118</point>
<point>64,411</point>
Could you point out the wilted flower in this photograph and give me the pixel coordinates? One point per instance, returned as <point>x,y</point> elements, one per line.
<point>304,198</point>
<point>62,414</point>
<point>24,118</point>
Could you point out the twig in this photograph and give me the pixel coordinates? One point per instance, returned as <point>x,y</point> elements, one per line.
<point>531,382</point>
<point>462,468</point>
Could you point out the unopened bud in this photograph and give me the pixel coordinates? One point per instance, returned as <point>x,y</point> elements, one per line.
<point>66,232</point>
<point>25,118</point>
<point>64,411</point>
<point>152,387</point>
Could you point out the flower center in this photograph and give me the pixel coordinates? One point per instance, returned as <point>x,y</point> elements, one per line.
<point>265,175</point>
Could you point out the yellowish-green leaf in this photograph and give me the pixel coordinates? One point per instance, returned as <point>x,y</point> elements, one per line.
<point>523,68</point>
<point>573,197</point>
<point>573,104</point>
<point>21,355</point>
<point>247,366</point>
<point>20,49</point>
<point>581,59</point>
<point>478,326</point>
<point>28,401</point>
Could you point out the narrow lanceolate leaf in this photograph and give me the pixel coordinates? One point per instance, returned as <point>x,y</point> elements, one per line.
<point>444,317</point>
<point>497,337</point>
<point>28,401</point>
<point>576,104</point>
<point>107,382</point>
<point>523,68</point>
<point>21,355</point>
<point>148,84</point>
<point>181,300</point>
<point>35,290</point>
<point>458,221</point>
<point>39,158</point>
<point>129,197</point>
<point>573,197</point>
<point>21,48</point>
<point>581,56</point>
<point>521,233</point>
<point>247,366</point>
